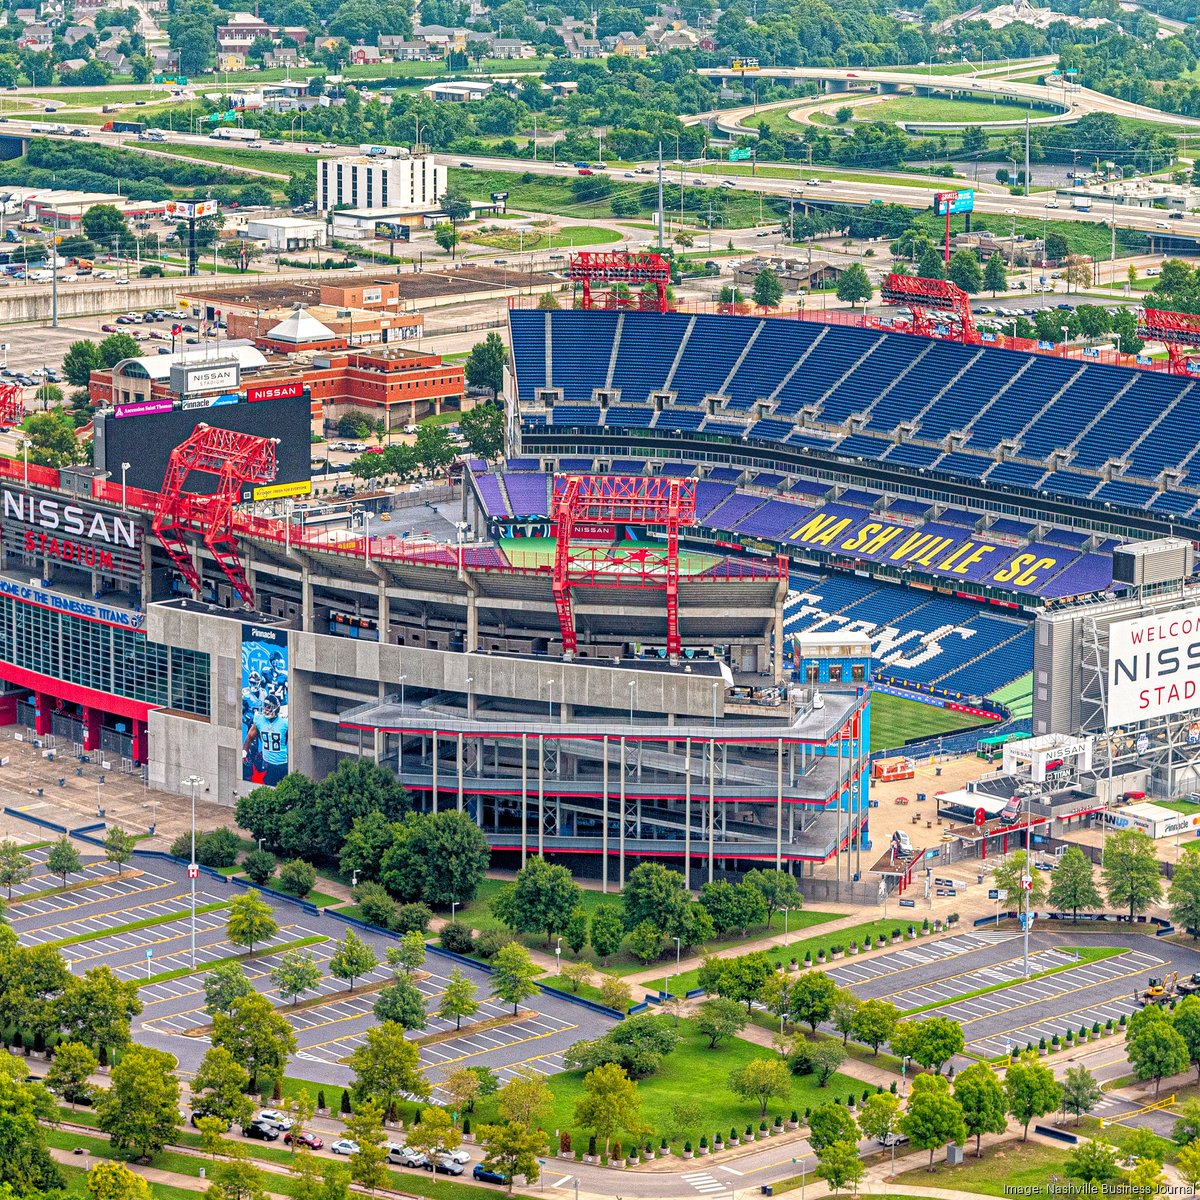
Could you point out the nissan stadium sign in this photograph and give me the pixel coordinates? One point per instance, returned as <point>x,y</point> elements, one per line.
<point>1154,666</point>
<point>188,379</point>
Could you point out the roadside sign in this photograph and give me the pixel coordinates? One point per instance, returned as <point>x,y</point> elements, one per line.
<point>981,817</point>
<point>908,904</point>
<point>993,894</point>
<point>193,871</point>
<point>149,952</point>
<point>1026,883</point>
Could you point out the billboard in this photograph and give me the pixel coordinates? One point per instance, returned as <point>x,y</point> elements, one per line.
<point>51,530</point>
<point>264,704</point>
<point>275,391</point>
<point>954,202</point>
<point>146,442</point>
<point>190,210</point>
<point>1153,666</point>
<point>393,231</point>
<point>189,378</point>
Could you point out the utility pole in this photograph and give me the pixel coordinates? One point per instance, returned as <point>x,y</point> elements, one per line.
<point>1027,154</point>
<point>193,782</point>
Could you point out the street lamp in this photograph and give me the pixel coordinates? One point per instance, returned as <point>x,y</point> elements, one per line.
<point>453,906</point>
<point>558,958</point>
<point>550,704</point>
<point>193,782</point>
<point>785,924</point>
<point>124,468</point>
<point>470,694</point>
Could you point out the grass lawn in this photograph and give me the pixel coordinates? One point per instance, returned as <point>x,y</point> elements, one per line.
<point>276,161</point>
<point>1120,1134</point>
<point>478,916</point>
<point>322,899</point>
<point>956,68</point>
<point>936,109</point>
<point>1179,806</point>
<point>895,721</point>
<point>399,71</point>
<point>540,552</point>
<point>1014,1164</point>
<point>693,1074</point>
<point>88,96</point>
<point>574,235</point>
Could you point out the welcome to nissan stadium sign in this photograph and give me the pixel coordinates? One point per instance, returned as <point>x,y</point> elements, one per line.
<point>1154,666</point>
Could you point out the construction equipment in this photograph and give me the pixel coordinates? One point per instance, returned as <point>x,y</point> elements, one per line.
<point>1190,986</point>
<point>1160,990</point>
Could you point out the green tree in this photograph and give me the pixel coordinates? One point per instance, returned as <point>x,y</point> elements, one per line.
<point>879,1117</point>
<point>762,1080</point>
<point>1073,887</point>
<point>297,877</point>
<point>456,204</point>
<point>932,264</point>
<point>368,1164</point>
<point>744,977</point>
<point>251,920</point>
<point>438,858</point>
<point>1187,1127</point>
<point>1008,874</point>
<point>995,274</point>
<point>387,1067</point>
<point>1131,875</point>
<point>1183,896</point>
<point>96,1007</point>
<point>463,1088</point>
<point>118,847</point>
<point>829,1123</point>
<point>1187,1025</point>
<point>718,1018</point>
<point>813,997</point>
<point>116,348</point>
<point>435,1133</point>
<point>937,1040</point>
<point>514,974</point>
<point>223,984</point>
<point>483,429</point>
<point>458,999</point>
<point>609,1103</point>
<point>259,866</point>
<point>576,975</point>
<point>1155,1052</point>
<point>1080,1091</point>
<point>115,1181</point>
<point>607,932</point>
<point>778,890</point>
<point>352,958</point>
<point>615,992</point>
<point>15,865</point>
<point>409,953</point>
<point>826,1058</point>
<point>402,1003</point>
<point>981,1094</point>
<point>80,360</point>
<point>140,1109</point>
<point>874,1022</point>
<point>645,942</point>
<point>541,900</point>
<point>511,1149</point>
<point>51,439</point>
<point>1092,1161</point>
<point>575,934</point>
<point>768,288</point>
<point>106,225</point>
<point>237,1178</point>
<point>1030,1090</point>
<point>369,838</point>
<point>965,272</point>
<point>934,1116</point>
<point>446,237</point>
<point>258,1037</point>
<point>219,1088</point>
<point>839,1164</point>
<point>63,859</point>
<point>1187,1163</point>
<point>485,364</point>
<point>297,972</point>
<point>853,286</point>
<point>525,1099</point>
<point>70,1071</point>
<point>26,1168</point>
<point>845,1006</point>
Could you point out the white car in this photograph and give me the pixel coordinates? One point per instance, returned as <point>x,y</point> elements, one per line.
<point>1051,203</point>
<point>329,145</point>
<point>275,1118</point>
<point>459,1156</point>
<point>344,1146</point>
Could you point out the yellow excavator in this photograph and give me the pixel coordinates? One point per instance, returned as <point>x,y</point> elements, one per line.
<point>1161,990</point>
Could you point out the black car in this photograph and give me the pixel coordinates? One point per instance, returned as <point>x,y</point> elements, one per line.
<point>444,1166</point>
<point>260,1132</point>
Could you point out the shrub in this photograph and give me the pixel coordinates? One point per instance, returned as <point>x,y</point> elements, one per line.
<point>1029,1047</point>
<point>592,1146</point>
<point>687,1147</point>
<point>1041,1043</point>
<point>345,1107</point>
<point>662,1145</point>
<point>491,941</point>
<point>259,865</point>
<point>778,1122</point>
<point>853,944</point>
<point>807,957</point>
<point>837,948</point>
<point>297,877</point>
<point>1083,1031</point>
<point>1123,1021</point>
<point>616,1151</point>
<point>749,1131</point>
<point>762,1127</point>
<point>718,1140</point>
<point>911,930</point>
<point>704,1141</point>
<point>895,933</point>
<point>466,1125</point>
<point>564,1141</point>
<point>377,906</point>
<point>214,848</point>
<point>850,1101</point>
<point>458,939</point>
<point>412,918</point>
<point>866,942</point>
<point>1055,1042</point>
<point>321,1099</point>
<point>866,1093</point>
<point>892,1088</point>
<point>794,1118</point>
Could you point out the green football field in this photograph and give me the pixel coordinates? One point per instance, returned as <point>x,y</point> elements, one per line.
<point>895,721</point>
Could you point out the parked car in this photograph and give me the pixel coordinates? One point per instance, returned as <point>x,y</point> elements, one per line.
<point>272,1116</point>
<point>410,1158</point>
<point>1011,811</point>
<point>459,1155</point>
<point>303,1138</point>
<point>260,1132</point>
<point>445,1166</point>
<point>344,1146</point>
<point>109,329</point>
<point>482,1175</point>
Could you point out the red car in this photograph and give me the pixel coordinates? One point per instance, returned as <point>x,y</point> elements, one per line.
<point>304,1138</point>
<point>109,329</point>
<point>586,171</point>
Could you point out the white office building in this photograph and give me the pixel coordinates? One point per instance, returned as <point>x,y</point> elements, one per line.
<point>398,184</point>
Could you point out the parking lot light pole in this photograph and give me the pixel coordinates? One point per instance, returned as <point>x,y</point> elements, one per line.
<point>193,782</point>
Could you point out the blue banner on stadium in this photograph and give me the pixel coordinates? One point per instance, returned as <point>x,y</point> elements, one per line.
<point>264,704</point>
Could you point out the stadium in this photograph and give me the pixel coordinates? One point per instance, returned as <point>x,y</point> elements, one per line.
<point>655,628</point>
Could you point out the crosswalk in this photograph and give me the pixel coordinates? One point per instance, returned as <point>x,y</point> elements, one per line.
<point>703,1182</point>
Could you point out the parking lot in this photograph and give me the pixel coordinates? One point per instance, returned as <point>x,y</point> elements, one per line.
<point>140,926</point>
<point>945,978</point>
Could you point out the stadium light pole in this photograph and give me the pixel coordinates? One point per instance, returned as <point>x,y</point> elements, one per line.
<point>193,782</point>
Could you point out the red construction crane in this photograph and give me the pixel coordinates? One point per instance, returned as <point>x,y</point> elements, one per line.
<point>1177,331</point>
<point>235,459</point>
<point>939,295</point>
<point>614,500</point>
<point>605,271</point>
<point>12,404</point>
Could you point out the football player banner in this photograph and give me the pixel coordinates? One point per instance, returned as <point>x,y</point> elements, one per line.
<point>264,704</point>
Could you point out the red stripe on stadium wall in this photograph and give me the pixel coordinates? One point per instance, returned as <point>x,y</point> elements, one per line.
<point>118,706</point>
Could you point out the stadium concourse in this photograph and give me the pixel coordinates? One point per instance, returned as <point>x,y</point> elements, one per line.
<point>929,494</point>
